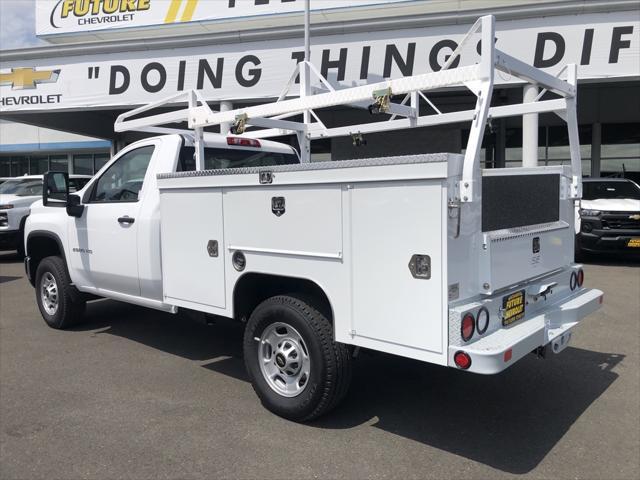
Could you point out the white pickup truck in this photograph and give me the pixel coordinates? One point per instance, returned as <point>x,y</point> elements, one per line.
<point>427,256</point>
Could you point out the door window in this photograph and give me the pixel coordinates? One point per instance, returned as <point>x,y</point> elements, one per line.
<point>122,181</point>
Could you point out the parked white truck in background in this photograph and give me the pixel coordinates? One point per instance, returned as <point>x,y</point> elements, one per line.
<point>608,217</point>
<point>427,256</point>
<point>16,196</point>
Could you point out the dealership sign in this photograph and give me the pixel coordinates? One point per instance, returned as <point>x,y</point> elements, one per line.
<point>603,45</point>
<point>73,16</point>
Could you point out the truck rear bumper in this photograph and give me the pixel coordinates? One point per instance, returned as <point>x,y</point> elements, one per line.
<point>506,346</point>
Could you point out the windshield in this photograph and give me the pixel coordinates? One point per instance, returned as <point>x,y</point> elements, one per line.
<point>22,187</point>
<point>216,158</point>
<point>596,190</point>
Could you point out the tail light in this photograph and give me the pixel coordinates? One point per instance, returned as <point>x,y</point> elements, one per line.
<point>580,277</point>
<point>467,327</point>
<point>243,142</point>
<point>462,360</point>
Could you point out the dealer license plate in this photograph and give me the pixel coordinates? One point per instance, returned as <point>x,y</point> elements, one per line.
<point>634,242</point>
<point>513,308</point>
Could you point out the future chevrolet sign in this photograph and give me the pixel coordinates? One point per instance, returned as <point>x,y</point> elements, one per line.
<point>75,16</point>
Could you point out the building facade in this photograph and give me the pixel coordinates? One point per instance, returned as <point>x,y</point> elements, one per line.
<point>110,56</point>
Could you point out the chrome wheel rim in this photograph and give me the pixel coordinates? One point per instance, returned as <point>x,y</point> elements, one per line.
<point>49,293</point>
<point>284,359</point>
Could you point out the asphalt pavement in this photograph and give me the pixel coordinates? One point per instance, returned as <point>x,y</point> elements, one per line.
<point>135,393</point>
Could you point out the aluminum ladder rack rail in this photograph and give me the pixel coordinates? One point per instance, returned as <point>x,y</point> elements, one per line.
<point>478,78</point>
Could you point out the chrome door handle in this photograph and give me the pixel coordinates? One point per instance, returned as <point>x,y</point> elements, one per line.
<point>126,219</point>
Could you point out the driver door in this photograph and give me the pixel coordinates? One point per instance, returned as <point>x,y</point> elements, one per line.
<point>106,235</point>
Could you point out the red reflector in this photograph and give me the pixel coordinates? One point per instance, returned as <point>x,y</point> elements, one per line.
<point>601,299</point>
<point>243,142</point>
<point>467,327</point>
<point>462,360</point>
<point>507,355</point>
<point>580,277</point>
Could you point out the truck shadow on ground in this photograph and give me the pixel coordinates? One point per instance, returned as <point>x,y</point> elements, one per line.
<point>509,421</point>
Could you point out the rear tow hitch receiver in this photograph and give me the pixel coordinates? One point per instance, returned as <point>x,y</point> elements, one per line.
<point>540,352</point>
<point>561,342</point>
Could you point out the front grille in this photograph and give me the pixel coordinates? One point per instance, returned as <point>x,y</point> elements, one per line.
<point>4,220</point>
<point>620,221</point>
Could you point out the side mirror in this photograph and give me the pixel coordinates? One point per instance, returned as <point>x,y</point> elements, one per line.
<point>55,189</point>
<point>74,206</point>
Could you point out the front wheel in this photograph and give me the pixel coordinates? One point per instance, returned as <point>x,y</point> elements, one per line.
<point>296,368</point>
<point>60,304</point>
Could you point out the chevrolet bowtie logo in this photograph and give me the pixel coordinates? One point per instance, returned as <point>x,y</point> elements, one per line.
<point>28,78</point>
<point>634,217</point>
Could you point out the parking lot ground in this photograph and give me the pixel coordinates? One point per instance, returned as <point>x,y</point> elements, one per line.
<point>135,393</point>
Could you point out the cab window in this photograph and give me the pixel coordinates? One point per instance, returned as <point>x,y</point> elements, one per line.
<point>218,158</point>
<point>122,181</point>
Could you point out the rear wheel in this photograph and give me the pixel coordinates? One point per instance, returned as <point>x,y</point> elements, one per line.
<point>296,368</point>
<point>60,304</point>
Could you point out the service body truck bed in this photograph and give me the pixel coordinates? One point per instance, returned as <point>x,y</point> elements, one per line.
<point>353,227</point>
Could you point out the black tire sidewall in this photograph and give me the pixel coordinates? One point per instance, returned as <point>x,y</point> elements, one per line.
<point>304,404</point>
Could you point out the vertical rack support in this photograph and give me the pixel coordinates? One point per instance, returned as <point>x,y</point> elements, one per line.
<point>483,89</point>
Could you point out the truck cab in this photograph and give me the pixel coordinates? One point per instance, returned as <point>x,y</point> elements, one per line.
<point>112,249</point>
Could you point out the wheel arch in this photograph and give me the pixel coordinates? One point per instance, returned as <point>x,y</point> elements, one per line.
<point>252,288</point>
<point>42,244</point>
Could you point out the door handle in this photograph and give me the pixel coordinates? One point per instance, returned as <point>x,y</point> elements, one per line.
<point>126,219</point>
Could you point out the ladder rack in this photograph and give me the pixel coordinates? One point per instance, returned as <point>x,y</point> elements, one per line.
<point>478,78</point>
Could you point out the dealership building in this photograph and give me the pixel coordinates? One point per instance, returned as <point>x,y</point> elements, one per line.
<point>58,103</point>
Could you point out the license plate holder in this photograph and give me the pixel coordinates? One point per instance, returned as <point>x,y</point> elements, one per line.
<point>513,306</point>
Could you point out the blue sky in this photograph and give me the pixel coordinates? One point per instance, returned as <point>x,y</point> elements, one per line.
<point>17,24</point>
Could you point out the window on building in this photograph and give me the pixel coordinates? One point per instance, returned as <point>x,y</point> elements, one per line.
<point>59,163</point>
<point>553,146</point>
<point>19,166</point>
<point>620,150</point>
<point>38,164</point>
<point>83,164</point>
<point>5,166</point>
<point>100,160</point>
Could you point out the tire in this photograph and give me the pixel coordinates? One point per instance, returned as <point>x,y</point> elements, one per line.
<point>60,304</point>
<point>285,328</point>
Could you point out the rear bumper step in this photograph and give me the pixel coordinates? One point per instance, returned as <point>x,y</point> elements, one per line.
<point>506,346</point>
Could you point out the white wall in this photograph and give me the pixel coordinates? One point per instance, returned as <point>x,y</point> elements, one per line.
<point>12,133</point>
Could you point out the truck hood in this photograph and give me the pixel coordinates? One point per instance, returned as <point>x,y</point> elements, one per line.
<point>17,201</point>
<point>612,204</point>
